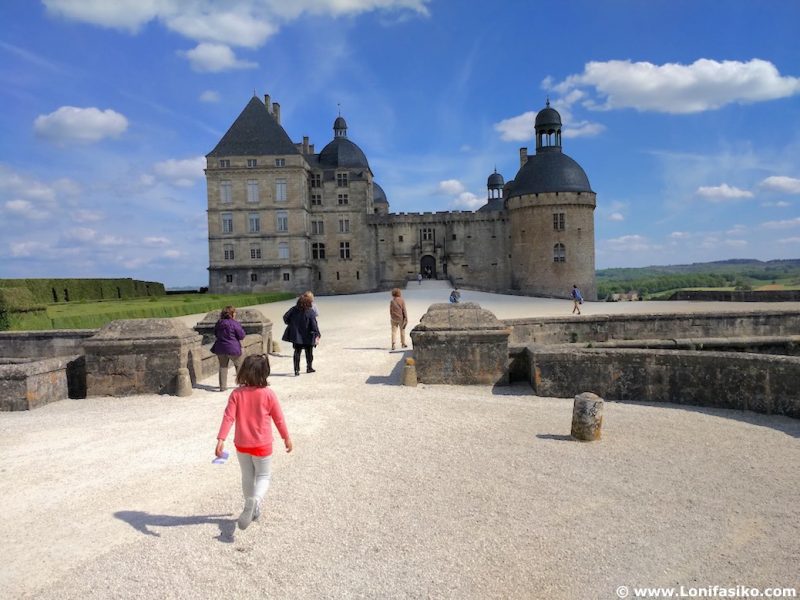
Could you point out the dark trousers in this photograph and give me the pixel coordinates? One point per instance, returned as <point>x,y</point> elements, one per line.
<point>309,355</point>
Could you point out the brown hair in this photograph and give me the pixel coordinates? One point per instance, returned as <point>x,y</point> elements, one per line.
<point>304,303</point>
<point>229,312</point>
<point>396,292</point>
<point>254,371</point>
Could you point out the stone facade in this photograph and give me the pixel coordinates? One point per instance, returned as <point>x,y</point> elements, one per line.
<point>282,217</point>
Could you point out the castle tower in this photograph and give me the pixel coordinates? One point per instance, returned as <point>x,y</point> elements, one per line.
<point>551,215</point>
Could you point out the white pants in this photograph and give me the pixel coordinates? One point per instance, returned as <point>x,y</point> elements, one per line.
<point>401,327</point>
<point>256,475</point>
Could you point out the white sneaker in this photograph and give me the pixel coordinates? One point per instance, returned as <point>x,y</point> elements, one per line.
<point>247,514</point>
<point>257,511</point>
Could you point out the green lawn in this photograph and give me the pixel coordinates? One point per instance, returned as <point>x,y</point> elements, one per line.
<point>89,315</point>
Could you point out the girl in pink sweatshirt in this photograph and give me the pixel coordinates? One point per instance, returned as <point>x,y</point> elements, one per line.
<point>254,407</point>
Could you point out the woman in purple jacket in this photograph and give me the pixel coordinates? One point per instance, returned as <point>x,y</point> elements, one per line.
<point>228,345</point>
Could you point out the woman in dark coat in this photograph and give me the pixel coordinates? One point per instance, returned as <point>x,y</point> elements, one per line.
<point>228,345</point>
<point>302,331</point>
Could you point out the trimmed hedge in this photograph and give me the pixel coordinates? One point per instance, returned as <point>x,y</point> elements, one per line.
<point>17,300</point>
<point>49,291</point>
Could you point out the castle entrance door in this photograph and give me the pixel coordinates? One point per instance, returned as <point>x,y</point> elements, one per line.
<point>427,266</point>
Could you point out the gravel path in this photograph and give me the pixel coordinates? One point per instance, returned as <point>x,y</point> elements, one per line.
<point>395,492</point>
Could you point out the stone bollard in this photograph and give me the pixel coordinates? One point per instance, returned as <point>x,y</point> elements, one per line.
<point>184,383</point>
<point>587,417</point>
<point>410,373</point>
<point>276,347</point>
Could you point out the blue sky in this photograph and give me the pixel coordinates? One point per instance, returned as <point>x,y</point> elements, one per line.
<point>684,115</point>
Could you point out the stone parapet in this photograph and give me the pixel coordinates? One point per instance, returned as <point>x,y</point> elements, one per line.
<point>461,344</point>
<point>28,384</point>
<point>140,356</point>
<point>761,383</point>
<point>43,344</point>
<point>251,344</point>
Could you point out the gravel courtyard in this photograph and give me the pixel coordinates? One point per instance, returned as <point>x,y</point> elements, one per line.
<point>396,492</point>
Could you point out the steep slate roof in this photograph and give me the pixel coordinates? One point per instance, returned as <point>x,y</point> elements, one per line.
<point>255,132</point>
<point>549,170</point>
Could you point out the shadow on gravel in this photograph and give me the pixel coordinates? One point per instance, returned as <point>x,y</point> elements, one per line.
<point>141,521</point>
<point>368,348</point>
<point>392,378</point>
<point>555,436</point>
<point>207,388</point>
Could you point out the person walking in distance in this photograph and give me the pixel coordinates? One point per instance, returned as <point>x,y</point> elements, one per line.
<point>398,317</point>
<point>419,278</point>
<point>302,331</point>
<point>253,406</point>
<point>577,300</point>
<point>228,344</point>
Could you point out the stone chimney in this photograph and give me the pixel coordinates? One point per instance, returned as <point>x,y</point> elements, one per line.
<point>276,112</point>
<point>305,144</point>
<point>523,157</point>
<point>266,103</point>
<point>311,148</point>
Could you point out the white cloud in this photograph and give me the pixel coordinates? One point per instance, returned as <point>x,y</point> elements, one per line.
<point>517,129</point>
<point>736,243</point>
<point>80,234</point>
<point>451,187</point>
<point>676,88</point>
<point>87,216</point>
<point>789,240</point>
<point>25,209</point>
<point>778,204</point>
<point>210,96</point>
<point>25,249</point>
<point>680,235</point>
<point>630,243</point>
<point>615,216</point>
<point>213,58</point>
<point>786,185</point>
<point>182,172</point>
<point>785,224</point>
<point>156,241</point>
<point>721,193</point>
<point>173,254</point>
<point>522,127</point>
<point>72,124</point>
<point>467,201</point>
<point>244,23</point>
<point>736,230</point>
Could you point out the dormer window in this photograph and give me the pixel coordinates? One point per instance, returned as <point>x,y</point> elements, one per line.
<point>252,162</point>
<point>341,180</point>
<point>224,163</point>
<point>280,162</point>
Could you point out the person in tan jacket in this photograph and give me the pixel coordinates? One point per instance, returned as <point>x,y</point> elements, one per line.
<point>398,317</point>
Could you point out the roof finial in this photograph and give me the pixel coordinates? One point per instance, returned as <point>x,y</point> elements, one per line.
<point>254,93</point>
<point>339,107</point>
<point>547,101</point>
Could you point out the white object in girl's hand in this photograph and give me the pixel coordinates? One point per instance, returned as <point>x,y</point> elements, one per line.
<point>221,459</point>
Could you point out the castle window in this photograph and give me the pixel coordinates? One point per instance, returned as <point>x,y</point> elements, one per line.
<point>286,276</point>
<point>341,180</point>
<point>251,162</point>
<point>254,277</point>
<point>316,199</point>
<point>283,250</point>
<point>228,278</point>
<point>317,227</point>
<point>253,223</point>
<point>454,236</point>
<point>252,190</point>
<point>427,234</point>
<point>282,221</point>
<point>315,180</point>
<point>343,199</point>
<point>337,275</point>
<point>400,238</point>
<point>225,192</point>
<point>227,222</point>
<point>255,252</point>
<point>318,251</point>
<point>344,250</point>
<point>224,163</point>
<point>558,221</point>
<point>227,251</point>
<point>280,190</point>
<point>280,162</point>
<point>559,253</point>
<point>344,225</point>
<point>358,275</point>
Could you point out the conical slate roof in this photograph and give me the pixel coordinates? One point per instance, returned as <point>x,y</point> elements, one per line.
<point>255,132</point>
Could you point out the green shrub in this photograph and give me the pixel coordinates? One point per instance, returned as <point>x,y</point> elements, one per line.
<point>15,301</point>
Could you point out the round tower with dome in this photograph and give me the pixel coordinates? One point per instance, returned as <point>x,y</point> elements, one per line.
<point>551,216</point>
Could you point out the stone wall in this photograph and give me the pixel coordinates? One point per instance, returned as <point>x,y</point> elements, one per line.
<point>600,328</point>
<point>28,384</point>
<point>738,296</point>
<point>43,344</point>
<point>761,383</point>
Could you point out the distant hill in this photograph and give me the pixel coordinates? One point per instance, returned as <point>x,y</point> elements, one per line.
<point>737,273</point>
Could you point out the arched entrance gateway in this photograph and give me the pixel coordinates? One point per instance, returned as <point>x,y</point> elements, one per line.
<point>427,266</point>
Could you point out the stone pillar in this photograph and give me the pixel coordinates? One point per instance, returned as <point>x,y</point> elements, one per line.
<point>410,373</point>
<point>140,356</point>
<point>461,344</point>
<point>587,417</point>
